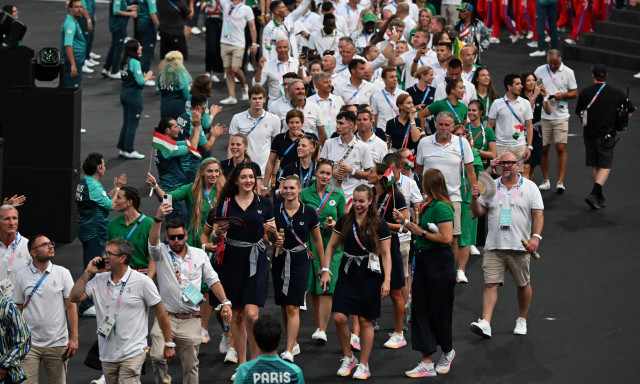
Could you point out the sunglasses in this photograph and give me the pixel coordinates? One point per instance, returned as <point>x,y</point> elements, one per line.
<point>174,237</point>
<point>109,254</point>
<point>45,244</point>
<point>507,163</point>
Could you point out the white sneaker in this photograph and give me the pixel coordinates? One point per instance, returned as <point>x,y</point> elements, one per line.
<point>362,372</point>
<point>250,67</point>
<point>494,40</point>
<point>514,38</point>
<point>286,355</point>
<point>560,187</point>
<point>296,350</point>
<point>545,185</point>
<point>205,335</point>
<point>637,75</point>
<point>548,38</point>
<point>91,63</point>
<point>225,343</point>
<point>303,307</point>
<point>481,328</point>
<point>94,56</point>
<point>473,250</point>
<point>347,365</point>
<point>521,326</point>
<point>321,337</point>
<point>422,370</point>
<point>133,155</point>
<point>215,79</point>
<point>150,83</point>
<point>229,100</point>
<point>461,277</point>
<point>121,153</point>
<point>89,312</point>
<point>532,44</point>
<point>315,334</point>
<point>537,54</point>
<point>529,35</point>
<point>101,380</point>
<point>105,73</point>
<point>245,96</point>
<point>86,69</point>
<point>444,364</point>
<point>570,41</point>
<point>196,31</point>
<point>231,356</point>
<point>396,340</point>
<point>115,76</point>
<point>355,342</point>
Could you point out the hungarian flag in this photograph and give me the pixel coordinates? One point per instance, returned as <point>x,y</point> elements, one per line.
<point>193,151</point>
<point>391,179</point>
<point>464,33</point>
<point>163,142</point>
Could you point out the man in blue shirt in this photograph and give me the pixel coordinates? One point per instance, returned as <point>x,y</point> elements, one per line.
<point>73,46</point>
<point>268,367</point>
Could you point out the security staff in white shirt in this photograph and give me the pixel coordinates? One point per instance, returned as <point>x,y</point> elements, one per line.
<point>14,253</point>
<point>270,72</point>
<point>383,103</point>
<point>180,270</point>
<point>328,103</point>
<point>118,292</point>
<point>39,290</point>
<point>356,90</point>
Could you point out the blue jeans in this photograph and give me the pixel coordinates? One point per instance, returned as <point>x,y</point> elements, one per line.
<point>131,100</point>
<point>544,11</point>
<point>112,63</point>
<point>90,249</point>
<point>147,32</point>
<point>73,82</point>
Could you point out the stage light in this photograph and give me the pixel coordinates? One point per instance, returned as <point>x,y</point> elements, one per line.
<point>47,65</point>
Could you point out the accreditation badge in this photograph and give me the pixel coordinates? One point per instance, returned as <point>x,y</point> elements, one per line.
<point>374,263</point>
<point>106,327</point>
<point>505,218</point>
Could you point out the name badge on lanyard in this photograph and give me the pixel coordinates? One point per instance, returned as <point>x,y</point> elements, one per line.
<point>505,213</point>
<point>109,322</point>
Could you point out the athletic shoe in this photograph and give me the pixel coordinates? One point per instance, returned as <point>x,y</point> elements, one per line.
<point>422,370</point>
<point>205,335</point>
<point>347,365</point>
<point>532,44</point>
<point>225,343</point>
<point>375,325</point>
<point>315,334</point>
<point>537,54</point>
<point>547,39</point>
<point>303,307</point>
<point>514,38</point>
<point>473,250</point>
<point>560,187</point>
<point>355,342</point>
<point>215,79</point>
<point>196,31</point>
<point>637,75</point>
<point>233,377</point>
<point>529,35</point>
<point>396,340</point>
<point>601,202</point>
<point>101,380</point>
<point>94,56</point>
<point>115,76</point>
<point>521,326</point>
<point>592,200</point>
<point>481,328</point>
<point>150,83</point>
<point>231,356</point>
<point>86,69</point>
<point>444,364</point>
<point>494,40</point>
<point>545,185</point>
<point>296,350</point>
<point>319,336</point>
<point>250,67</point>
<point>461,277</point>
<point>133,155</point>
<point>362,372</point>
<point>91,63</point>
<point>286,355</point>
<point>570,41</point>
<point>245,92</point>
<point>105,73</point>
<point>89,312</point>
<point>229,100</point>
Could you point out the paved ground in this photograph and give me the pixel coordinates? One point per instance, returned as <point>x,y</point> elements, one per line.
<point>584,317</point>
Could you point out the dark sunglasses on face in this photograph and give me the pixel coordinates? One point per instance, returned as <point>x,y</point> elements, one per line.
<point>174,237</point>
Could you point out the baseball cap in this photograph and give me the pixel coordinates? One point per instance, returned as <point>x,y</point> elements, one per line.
<point>599,70</point>
<point>465,7</point>
<point>369,17</point>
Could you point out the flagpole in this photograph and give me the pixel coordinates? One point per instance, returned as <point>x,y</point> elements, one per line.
<point>151,162</point>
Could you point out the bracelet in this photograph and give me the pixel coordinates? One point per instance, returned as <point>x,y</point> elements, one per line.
<point>255,44</point>
<point>204,247</point>
<point>157,220</point>
<point>353,171</point>
<point>117,188</point>
<point>538,236</point>
<point>530,147</point>
<point>154,187</point>
<point>405,222</point>
<point>226,302</point>
<point>323,270</point>
<point>170,344</point>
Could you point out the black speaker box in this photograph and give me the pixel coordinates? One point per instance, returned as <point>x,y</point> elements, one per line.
<point>50,207</point>
<point>15,67</point>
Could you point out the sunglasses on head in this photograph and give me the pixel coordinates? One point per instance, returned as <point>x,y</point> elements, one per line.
<point>329,52</point>
<point>174,237</point>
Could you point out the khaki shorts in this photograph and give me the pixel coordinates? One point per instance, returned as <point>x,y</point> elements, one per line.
<point>457,210</point>
<point>518,152</point>
<point>558,128</point>
<point>404,251</point>
<point>231,55</point>
<point>496,261</point>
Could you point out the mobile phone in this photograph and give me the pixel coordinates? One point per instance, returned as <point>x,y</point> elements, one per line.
<point>305,51</point>
<point>552,96</point>
<point>393,30</point>
<point>100,264</point>
<point>64,354</point>
<point>539,82</point>
<point>423,46</point>
<point>167,199</point>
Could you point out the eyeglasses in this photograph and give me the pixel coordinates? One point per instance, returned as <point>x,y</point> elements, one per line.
<point>507,163</point>
<point>174,237</point>
<point>45,244</point>
<point>110,254</point>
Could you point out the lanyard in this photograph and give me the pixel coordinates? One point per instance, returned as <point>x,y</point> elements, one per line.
<point>424,205</point>
<point>553,80</point>
<point>237,10</point>
<point>306,121</point>
<point>395,112</point>
<point>462,164</point>
<point>594,97</point>
<point>471,74</point>
<point>295,143</point>
<point>307,178</point>
<point>355,234</point>
<point>330,103</point>
<point>324,200</point>
<point>385,202</point>
<point>206,195</point>
<point>28,300</point>
<point>115,315</point>
<point>135,226</point>
<point>278,69</point>
<point>405,141</point>
<point>484,136</point>
<point>355,94</point>
<point>177,267</point>
<point>515,194</point>
<point>506,101</point>
<point>426,94</point>
<point>289,222</point>
<point>257,122</point>
<point>351,146</point>
<point>13,251</point>
<point>454,111</point>
<point>306,17</point>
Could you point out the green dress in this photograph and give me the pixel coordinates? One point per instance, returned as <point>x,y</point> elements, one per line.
<point>469,226</point>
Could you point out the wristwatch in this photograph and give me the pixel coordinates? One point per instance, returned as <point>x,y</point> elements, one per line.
<point>393,43</point>
<point>157,220</point>
<point>264,188</point>
<point>170,344</point>
<point>424,234</point>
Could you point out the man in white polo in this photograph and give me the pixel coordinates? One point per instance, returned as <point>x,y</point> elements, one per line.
<point>42,293</point>
<point>14,253</point>
<point>355,90</point>
<point>328,103</point>
<point>122,297</point>
<point>270,72</point>
<point>377,147</point>
<point>383,103</point>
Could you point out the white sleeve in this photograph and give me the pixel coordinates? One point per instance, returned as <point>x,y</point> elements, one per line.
<point>416,197</point>
<point>419,151</point>
<point>468,153</point>
<point>67,283</point>
<point>233,126</point>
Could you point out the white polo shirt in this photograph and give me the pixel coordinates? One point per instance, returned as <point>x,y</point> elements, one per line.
<point>260,138</point>
<point>361,39</point>
<point>45,313</point>
<point>235,19</point>
<point>341,75</point>
<point>351,17</point>
<point>359,158</point>
<point>438,70</point>
<point>441,90</point>
<point>384,106</point>
<point>528,197</point>
<point>506,122</point>
<point>194,268</point>
<point>320,42</point>
<point>329,109</point>
<point>409,25</point>
<point>272,73</point>
<point>377,147</point>
<point>312,115</point>
<point>428,58</point>
<point>447,159</point>
<point>353,95</point>
<point>412,195</point>
<point>563,81</point>
<point>129,338</point>
<point>20,260</point>
<point>288,29</point>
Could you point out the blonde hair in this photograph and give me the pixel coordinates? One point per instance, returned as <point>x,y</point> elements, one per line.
<point>173,71</point>
<point>197,194</point>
